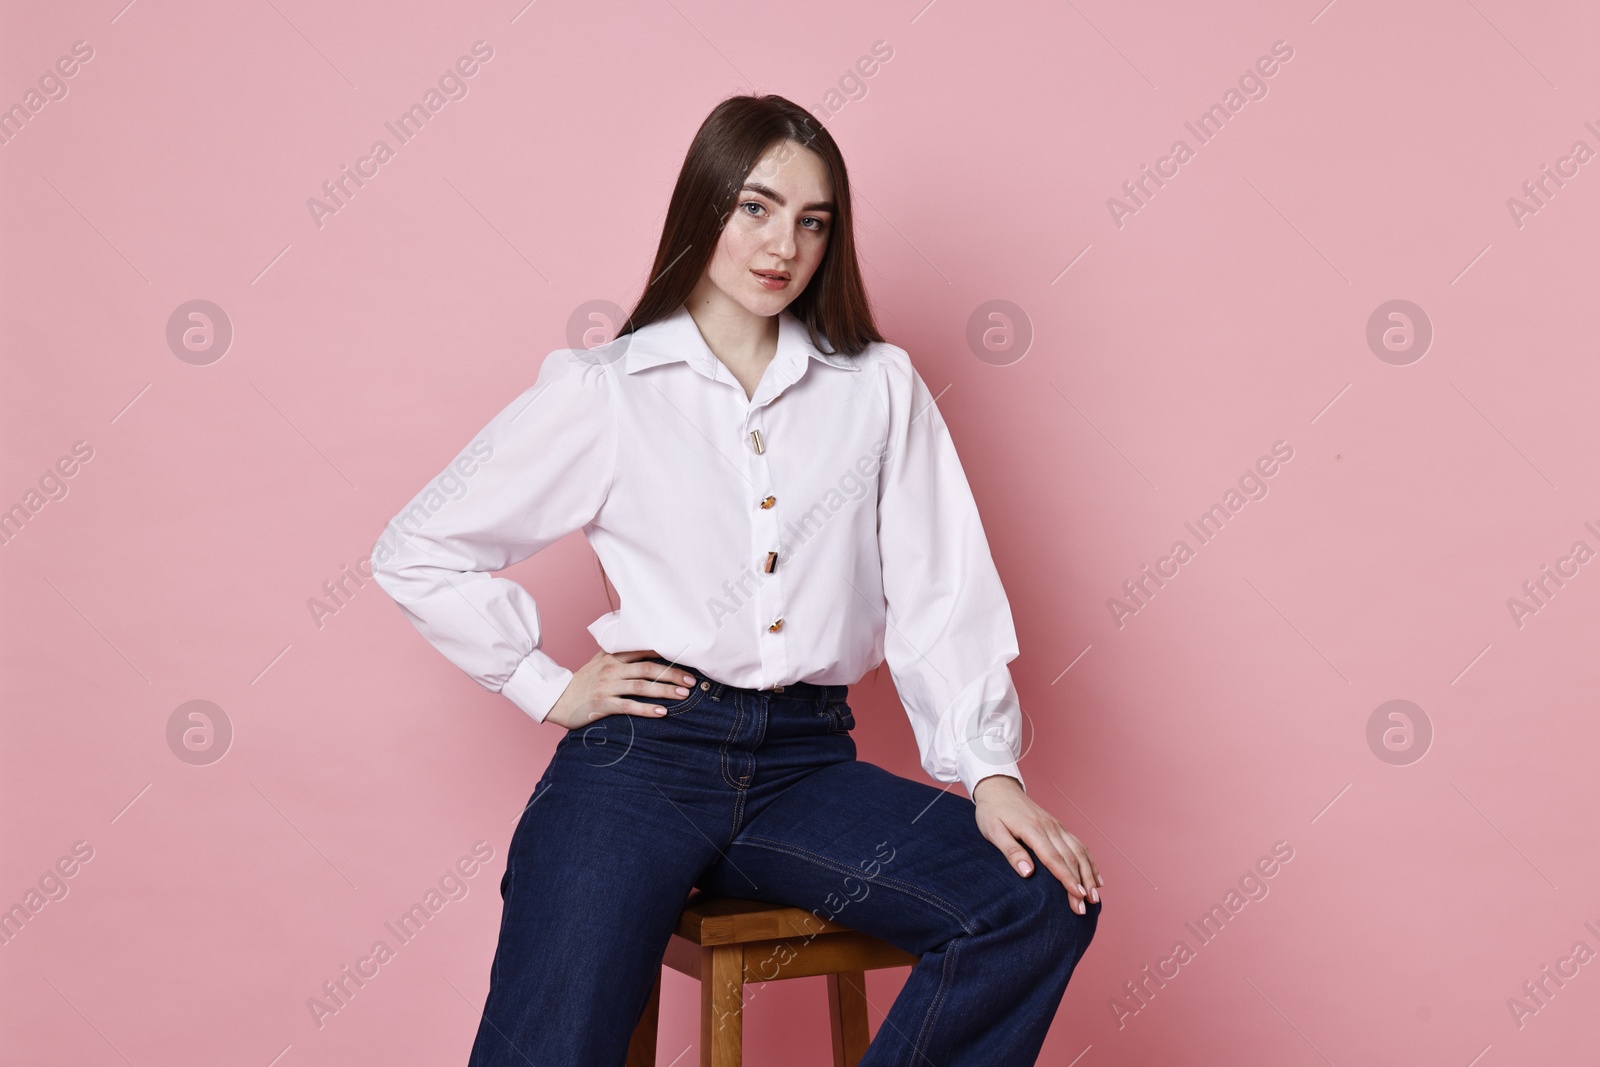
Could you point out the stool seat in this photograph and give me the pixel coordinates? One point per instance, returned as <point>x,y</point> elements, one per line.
<point>728,941</point>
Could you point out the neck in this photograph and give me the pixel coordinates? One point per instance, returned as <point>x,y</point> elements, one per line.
<point>742,342</point>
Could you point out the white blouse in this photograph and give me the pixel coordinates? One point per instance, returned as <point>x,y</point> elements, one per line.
<point>805,534</point>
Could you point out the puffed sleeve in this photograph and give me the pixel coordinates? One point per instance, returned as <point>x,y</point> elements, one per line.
<point>538,471</point>
<point>948,631</point>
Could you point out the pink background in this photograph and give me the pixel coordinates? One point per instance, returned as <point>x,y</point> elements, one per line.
<point>1228,313</point>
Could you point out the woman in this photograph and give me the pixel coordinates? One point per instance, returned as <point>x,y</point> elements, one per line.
<point>775,497</point>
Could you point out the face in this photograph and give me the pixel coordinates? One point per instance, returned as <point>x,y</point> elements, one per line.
<point>774,240</point>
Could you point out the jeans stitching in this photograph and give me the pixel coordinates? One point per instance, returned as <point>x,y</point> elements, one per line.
<point>893,883</point>
<point>688,703</point>
<point>834,713</point>
<point>945,981</point>
<point>738,721</point>
<point>511,867</point>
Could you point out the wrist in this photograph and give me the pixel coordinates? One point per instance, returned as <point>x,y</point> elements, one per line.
<point>987,785</point>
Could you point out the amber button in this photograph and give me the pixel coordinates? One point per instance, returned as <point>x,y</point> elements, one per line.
<point>769,501</point>
<point>775,627</point>
<point>771,563</point>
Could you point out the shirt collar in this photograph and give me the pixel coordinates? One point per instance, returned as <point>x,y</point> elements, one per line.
<point>676,337</point>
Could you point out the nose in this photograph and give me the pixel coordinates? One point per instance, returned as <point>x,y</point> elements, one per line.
<point>783,245</point>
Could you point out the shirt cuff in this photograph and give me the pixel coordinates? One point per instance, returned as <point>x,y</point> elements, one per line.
<point>536,684</point>
<point>972,767</point>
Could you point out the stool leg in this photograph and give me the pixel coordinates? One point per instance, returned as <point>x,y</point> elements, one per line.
<point>847,1017</point>
<point>642,1049</point>
<point>722,1006</point>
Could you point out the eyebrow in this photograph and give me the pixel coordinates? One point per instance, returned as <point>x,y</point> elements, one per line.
<point>772,194</point>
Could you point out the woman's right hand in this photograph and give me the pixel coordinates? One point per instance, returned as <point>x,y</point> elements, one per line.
<point>602,687</point>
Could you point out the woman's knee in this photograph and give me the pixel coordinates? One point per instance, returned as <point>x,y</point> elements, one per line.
<point>1040,909</point>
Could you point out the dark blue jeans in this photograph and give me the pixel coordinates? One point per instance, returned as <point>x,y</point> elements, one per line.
<point>759,795</point>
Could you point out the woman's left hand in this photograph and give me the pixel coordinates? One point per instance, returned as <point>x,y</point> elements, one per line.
<point>1009,818</point>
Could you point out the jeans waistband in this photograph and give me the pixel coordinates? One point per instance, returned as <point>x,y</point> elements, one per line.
<point>798,690</point>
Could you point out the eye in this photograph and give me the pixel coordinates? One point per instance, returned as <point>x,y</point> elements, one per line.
<point>753,203</point>
<point>822,224</point>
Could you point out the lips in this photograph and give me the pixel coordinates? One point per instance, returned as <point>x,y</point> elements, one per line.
<point>774,274</point>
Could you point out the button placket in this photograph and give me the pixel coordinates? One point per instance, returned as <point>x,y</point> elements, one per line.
<point>766,534</point>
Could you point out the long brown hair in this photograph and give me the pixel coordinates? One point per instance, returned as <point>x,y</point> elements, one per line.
<point>728,144</point>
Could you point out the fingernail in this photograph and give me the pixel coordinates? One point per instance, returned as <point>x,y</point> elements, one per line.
<point>1094,895</point>
<point>682,691</point>
<point>688,679</point>
<point>1025,867</point>
<point>661,711</point>
<point>1082,891</point>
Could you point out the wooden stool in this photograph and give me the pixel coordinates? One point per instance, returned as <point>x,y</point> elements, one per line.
<point>726,942</point>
